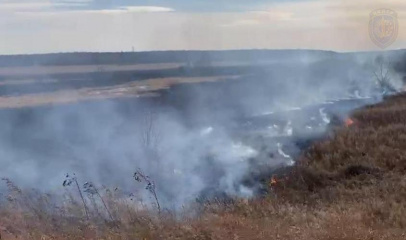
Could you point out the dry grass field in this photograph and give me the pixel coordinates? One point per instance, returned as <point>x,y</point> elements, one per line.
<point>51,70</point>
<point>83,69</point>
<point>29,86</point>
<point>143,88</point>
<point>351,186</point>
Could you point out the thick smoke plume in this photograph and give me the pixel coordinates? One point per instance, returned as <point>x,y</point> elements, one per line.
<point>194,140</point>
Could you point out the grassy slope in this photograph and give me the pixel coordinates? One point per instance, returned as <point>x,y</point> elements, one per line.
<point>351,186</point>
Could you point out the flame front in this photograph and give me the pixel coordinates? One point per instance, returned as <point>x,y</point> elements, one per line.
<point>274,181</point>
<point>349,122</point>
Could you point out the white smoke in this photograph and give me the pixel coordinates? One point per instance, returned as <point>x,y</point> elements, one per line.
<point>324,116</point>
<point>192,146</point>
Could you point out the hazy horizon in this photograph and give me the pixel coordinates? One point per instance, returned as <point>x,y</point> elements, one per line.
<point>214,50</point>
<point>49,26</point>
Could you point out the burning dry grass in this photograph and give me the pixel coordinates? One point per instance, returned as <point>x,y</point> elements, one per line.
<point>351,186</point>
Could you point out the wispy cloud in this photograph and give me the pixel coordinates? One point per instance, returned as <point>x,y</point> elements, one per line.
<point>146,9</point>
<point>40,5</point>
<point>129,9</point>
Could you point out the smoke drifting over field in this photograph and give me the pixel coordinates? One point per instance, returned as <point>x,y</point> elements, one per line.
<point>194,140</point>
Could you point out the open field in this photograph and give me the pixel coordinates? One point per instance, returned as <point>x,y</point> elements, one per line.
<point>53,70</point>
<point>36,71</point>
<point>235,151</point>
<point>143,88</point>
<point>31,80</point>
<point>350,186</point>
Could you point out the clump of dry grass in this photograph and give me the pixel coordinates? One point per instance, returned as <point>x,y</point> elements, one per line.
<point>351,186</point>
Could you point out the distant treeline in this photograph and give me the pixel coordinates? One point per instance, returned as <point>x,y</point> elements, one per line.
<point>187,57</point>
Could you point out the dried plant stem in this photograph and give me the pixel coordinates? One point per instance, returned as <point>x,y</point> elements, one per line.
<point>83,199</point>
<point>105,206</point>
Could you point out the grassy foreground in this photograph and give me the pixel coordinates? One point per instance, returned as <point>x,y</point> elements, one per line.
<point>349,187</point>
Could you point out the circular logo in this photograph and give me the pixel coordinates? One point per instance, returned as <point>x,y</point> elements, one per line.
<point>383,27</point>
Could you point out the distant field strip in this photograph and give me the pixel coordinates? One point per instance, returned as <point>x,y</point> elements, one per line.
<point>84,69</point>
<point>145,88</point>
<point>53,70</point>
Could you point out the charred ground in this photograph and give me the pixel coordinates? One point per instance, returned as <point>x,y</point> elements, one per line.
<point>351,185</point>
<point>351,175</point>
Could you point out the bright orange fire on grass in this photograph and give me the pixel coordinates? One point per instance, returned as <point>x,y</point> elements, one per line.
<point>274,181</point>
<point>349,122</point>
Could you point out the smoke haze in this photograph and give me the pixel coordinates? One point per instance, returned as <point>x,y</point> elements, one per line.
<point>193,140</point>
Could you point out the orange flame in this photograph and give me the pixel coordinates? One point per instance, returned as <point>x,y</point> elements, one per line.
<point>349,122</point>
<point>274,181</point>
<point>277,180</point>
